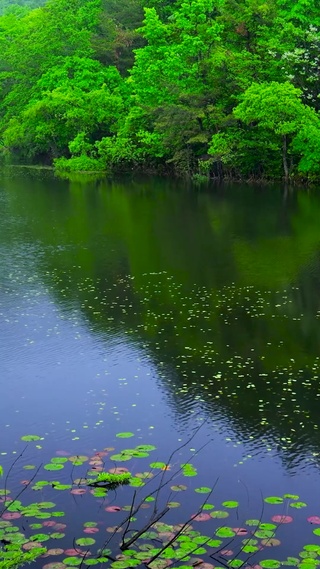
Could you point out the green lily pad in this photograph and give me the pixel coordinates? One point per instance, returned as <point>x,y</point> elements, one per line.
<point>52,466</point>
<point>236,563</point>
<point>72,561</point>
<point>125,435</point>
<point>121,457</point>
<point>219,514</point>
<point>230,504</point>
<point>158,465</point>
<point>85,541</point>
<point>316,531</point>
<point>214,543</point>
<point>270,563</point>
<point>225,532</point>
<point>274,500</point>
<point>252,522</point>
<point>263,534</point>
<point>29,438</point>
<point>39,537</point>
<point>267,526</point>
<point>297,505</point>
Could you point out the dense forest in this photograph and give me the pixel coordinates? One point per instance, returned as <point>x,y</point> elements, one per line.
<point>201,88</point>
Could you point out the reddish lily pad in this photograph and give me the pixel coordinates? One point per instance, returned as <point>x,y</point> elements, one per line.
<point>201,517</point>
<point>31,545</point>
<point>282,519</point>
<point>112,509</point>
<point>11,516</point>
<point>91,530</point>
<point>271,542</point>
<point>240,531</point>
<point>314,520</point>
<point>118,470</point>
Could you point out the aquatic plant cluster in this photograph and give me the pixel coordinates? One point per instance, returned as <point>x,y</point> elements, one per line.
<point>138,532</point>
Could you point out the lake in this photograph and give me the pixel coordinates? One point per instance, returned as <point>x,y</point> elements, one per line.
<point>144,322</point>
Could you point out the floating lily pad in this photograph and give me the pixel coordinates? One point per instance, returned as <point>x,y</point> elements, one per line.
<point>125,435</point>
<point>298,505</point>
<point>250,548</point>
<point>225,532</point>
<point>51,466</point>
<point>274,500</point>
<point>121,457</point>
<point>29,438</point>
<point>219,514</point>
<point>271,542</point>
<point>59,460</point>
<point>263,534</point>
<point>291,561</point>
<point>252,522</point>
<point>85,541</point>
<point>270,563</point>
<point>281,519</point>
<point>291,497</point>
<point>158,465</point>
<point>314,520</point>
<point>39,537</point>
<point>72,561</point>
<point>316,531</point>
<point>230,504</point>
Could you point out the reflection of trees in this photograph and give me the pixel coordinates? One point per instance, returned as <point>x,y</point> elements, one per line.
<point>158,263</point>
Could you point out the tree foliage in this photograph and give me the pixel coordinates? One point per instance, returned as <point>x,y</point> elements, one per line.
<point>201,87</point>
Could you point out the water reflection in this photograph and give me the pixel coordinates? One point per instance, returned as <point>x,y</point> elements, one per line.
<point>218,290</point>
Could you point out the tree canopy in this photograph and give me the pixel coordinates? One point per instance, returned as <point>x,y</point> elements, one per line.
<point>199,88</point>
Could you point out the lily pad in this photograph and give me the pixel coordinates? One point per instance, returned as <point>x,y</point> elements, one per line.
<point>52,466</point>
<point>72,561</point>
<point>125,435</point>
<point>85,541</point>
<point>225,532</point>
<point>274,500</point>
<point>219,514</point>
<point>270,563</point>
<point>298,505</point>
<point>230,504</point>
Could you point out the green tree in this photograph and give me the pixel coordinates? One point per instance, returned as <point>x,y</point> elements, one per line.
<point>277,108</point>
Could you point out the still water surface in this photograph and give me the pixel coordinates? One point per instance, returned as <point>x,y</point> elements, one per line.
<point>149,307</point>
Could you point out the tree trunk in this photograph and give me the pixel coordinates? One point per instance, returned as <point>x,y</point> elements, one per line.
<point>284,157</point>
